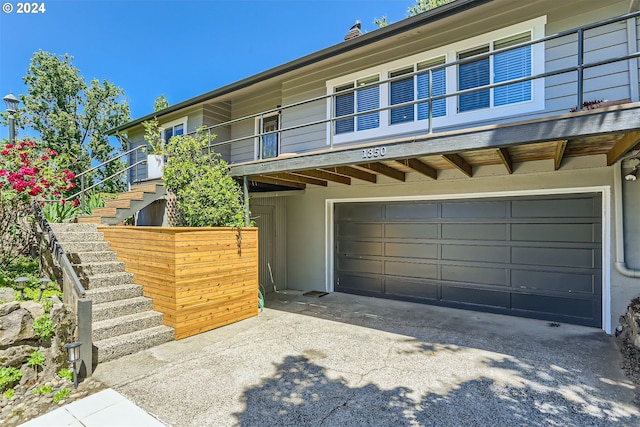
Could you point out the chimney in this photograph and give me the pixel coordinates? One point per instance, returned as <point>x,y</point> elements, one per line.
<point>354,31</point>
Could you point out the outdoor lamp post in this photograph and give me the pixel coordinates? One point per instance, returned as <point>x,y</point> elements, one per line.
<point>74,357</point>
<point>44,283</point>
<point>12,107</point>
<point>20,285</point>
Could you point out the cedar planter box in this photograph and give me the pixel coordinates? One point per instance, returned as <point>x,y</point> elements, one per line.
<point>199,278</point>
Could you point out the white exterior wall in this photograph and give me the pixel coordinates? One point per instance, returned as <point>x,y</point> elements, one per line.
<point>309,225</point>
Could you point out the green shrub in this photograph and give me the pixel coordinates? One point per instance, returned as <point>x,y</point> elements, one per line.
<point>206,193</point>
<point>57,212</point>
<point>43,327</point>
<point>8,394</point>
<point>36,360</point>
<point>66,374</point>
<point>8,377</point>
<point>61,395</point>
<point>45,389</point>
<point>21,266</point>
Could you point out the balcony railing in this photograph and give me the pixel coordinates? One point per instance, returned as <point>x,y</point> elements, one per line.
<point>329,100</point>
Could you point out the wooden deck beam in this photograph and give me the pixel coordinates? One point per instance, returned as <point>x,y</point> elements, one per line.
<point>299,178</point>
<point>327,176</point>
<point>275,181</point>
<point>624,144</point>
<point>561,146</point>
<point>459,163</point>
<point>385,170</point>
<point>354,173</point>
<point>421,167</point>
<point>505,157</point>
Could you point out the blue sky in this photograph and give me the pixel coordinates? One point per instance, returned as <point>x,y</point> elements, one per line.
<point>177,48</point>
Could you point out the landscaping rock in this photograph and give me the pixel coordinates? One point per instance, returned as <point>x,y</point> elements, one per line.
<point>16,326</point>
<point>7,294</point>
<point>15,356</point>
<point>9,307</point>
<point>35,308</point>
<point>64,321</point>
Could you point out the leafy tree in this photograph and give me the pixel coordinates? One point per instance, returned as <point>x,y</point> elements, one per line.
<point>160,103</point>
<point>419,7</point>
<point>71,116</point>
<point>206,193</point>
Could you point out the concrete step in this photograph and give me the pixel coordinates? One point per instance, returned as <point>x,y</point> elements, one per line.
<point>73,228</point>
<point>64,237</point>
<point>108,310</point>
<point>122,325</point>
<point>98,268</point>
<point>90,257</point>
<point>113,348</point>
<point>114,293</point>
<point>75,247</point>
<point>105,280</point>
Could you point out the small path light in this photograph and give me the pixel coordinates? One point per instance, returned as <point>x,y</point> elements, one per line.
<point>11,102</point>
<point>44,284</point>
<point>20,285</point>
<point>74,357</point>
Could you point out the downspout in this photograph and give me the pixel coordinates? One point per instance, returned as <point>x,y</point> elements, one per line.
<point>621,264</point>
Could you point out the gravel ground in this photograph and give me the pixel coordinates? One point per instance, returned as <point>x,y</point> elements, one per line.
<point>25,405</point>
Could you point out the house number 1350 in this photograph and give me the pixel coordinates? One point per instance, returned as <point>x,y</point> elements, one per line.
<point>371,153</point>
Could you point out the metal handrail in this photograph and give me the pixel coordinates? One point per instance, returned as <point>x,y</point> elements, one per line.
<point>579,68</point>
<point>57,251</point>
<point>113,159</point>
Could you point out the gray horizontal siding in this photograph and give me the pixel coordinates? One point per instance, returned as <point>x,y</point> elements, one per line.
<point>214,114</point>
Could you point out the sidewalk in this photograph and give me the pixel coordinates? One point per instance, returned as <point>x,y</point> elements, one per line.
<point>105,408</point>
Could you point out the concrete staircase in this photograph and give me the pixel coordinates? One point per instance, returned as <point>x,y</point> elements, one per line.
<point>124,321</point>
<point>117,210</point>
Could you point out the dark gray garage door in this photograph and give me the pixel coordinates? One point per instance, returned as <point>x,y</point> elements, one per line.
<point>526,256</point>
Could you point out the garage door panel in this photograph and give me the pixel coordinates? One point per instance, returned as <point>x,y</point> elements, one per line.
<point>481,275</point>
<point>352,282</point>
<point>349,229</point>
<point>570,257</point>
<point>411,231</point>
<point>411,289</point>
<point>411,250</point>
<point>480,253</point>
<point>408,211</point>
<point>560,207</point>
<point>360,265</point>
<point>577,233</point>
<point>474,231</point>
<point>408,269</point>
<point>556,281</point>
<point>352,247</point>
<point>533,256</point>
<point>477,297</point>
<point>554,305</point>
<point>493,209</point>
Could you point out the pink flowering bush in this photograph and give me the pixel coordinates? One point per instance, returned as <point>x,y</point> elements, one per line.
<point>26,173</point>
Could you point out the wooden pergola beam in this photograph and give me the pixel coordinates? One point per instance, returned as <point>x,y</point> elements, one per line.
<point>385,170</point>
<point>459,163</point>
<point>298,178</point>
<point>275,181</point>
<point>327,176</point>
<point>561,146</point>
<point>353,173</point>
<point>421,167</point>
<point>624,144</point>
<point>505,157</point>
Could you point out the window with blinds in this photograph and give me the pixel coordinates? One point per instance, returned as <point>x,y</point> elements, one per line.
<point>416,87</point>
<point>509,65</point>
<point>358,101</point>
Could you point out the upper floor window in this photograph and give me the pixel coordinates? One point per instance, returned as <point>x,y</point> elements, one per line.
<point>269,143</point>
<point>504,66</point>
<point>174,128</point>
<point>416,87</point>
<point>365,97</point>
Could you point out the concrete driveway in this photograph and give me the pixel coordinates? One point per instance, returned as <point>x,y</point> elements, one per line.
<point>344,360</point>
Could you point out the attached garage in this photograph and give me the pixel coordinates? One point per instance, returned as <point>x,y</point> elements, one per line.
<point>529,256</point>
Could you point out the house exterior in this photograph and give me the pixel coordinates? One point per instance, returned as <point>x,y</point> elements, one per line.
<point>446,159</point>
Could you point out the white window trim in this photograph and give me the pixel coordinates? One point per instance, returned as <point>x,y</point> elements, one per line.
<point>258,131</point>
<point>537,103</point>
<point>181,121</point>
